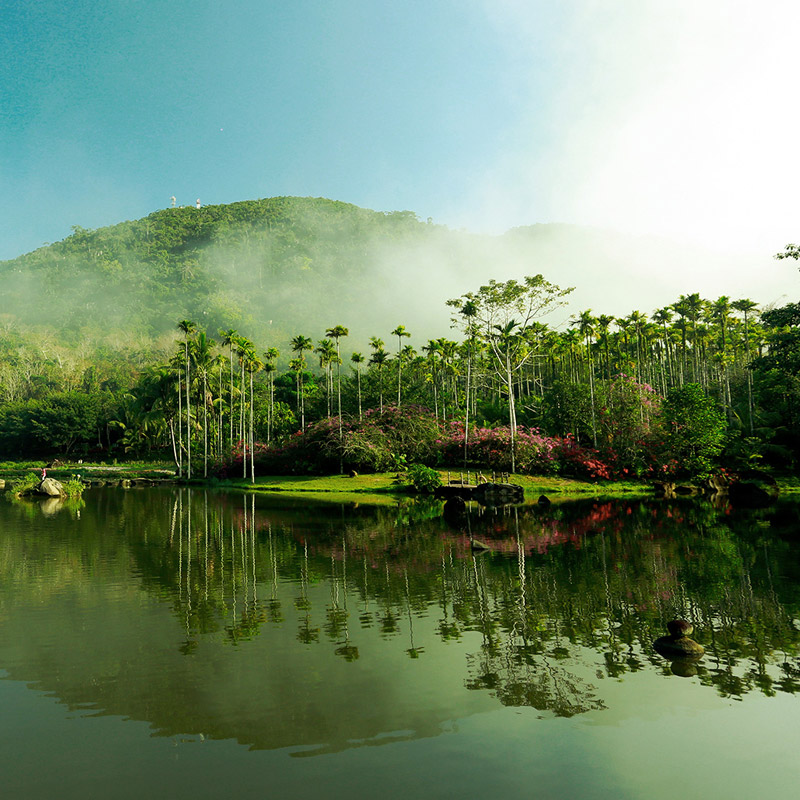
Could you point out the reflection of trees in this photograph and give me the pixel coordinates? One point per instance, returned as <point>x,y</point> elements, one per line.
<point>598,577</point>
<point>567,596</point>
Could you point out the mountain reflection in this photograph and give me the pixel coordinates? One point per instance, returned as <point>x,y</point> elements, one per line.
<point>286,623</point>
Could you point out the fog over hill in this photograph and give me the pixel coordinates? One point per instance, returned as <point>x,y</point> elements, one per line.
<point>277,267</point>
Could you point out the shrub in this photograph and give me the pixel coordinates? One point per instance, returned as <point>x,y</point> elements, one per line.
<point>424,479</point>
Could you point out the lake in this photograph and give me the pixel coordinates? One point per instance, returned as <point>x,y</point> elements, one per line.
<point>174,642</point>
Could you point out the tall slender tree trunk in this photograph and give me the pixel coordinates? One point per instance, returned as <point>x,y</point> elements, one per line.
<point>180,427</point>
<point>188,420</point>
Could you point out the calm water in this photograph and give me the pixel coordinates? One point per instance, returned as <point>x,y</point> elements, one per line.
<point>192,644</point>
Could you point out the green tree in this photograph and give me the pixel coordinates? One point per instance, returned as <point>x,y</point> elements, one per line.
<point>504,311</point>
<point>695,428</point>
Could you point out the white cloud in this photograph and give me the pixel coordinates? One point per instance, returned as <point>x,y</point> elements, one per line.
<point>675,119</point>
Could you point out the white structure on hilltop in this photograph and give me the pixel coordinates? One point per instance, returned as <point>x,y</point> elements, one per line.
<point>198,202</point>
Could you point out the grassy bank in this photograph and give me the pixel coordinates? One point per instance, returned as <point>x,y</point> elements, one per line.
<point>383,483</point>
<point>383,486</point>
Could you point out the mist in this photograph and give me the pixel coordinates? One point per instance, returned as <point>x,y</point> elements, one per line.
<point>288,266</point>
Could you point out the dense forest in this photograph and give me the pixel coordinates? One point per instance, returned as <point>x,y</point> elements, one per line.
<point>144,340</point>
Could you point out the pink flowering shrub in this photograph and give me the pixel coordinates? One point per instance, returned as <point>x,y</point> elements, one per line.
<point>535,453</point>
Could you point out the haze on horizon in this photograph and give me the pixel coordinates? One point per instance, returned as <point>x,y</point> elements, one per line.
<point>649,118</point>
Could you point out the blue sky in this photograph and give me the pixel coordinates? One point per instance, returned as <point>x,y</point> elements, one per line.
<point>644,116</point>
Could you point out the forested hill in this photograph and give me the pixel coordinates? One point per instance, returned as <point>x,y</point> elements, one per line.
<point>276,267</point>
<point>280,262</point>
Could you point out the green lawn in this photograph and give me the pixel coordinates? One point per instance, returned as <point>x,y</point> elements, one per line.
<point>393,482</point>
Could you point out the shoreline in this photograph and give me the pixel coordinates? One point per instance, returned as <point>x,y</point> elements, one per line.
<point>382,485</point>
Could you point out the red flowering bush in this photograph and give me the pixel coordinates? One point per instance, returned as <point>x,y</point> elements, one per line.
<point>535,453</point>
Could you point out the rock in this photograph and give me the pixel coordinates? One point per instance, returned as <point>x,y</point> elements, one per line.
<point>749,495</point>
<point>680,627</point>
<point>51,505</point>
<point>50,488</point>
<point>454,509</point>
<point>684,667</point>
<point>717,483</point>
<point>543,500</point>
<point>664,489</point>
<point>678,645</point>
<point>352,474</point>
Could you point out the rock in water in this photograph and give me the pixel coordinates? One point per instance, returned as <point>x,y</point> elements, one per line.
<point>678,644</point>
<point>51,488</point>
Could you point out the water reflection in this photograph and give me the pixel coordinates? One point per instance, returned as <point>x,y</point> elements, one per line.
<point>291,623</point>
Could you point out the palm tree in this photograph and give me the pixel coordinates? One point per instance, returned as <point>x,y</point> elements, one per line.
<point>432,349</point>
<point>379,357</point>
<point>603,323</point>
<point>336,333</point>
<point>202,348</point>
<point>253,366</point>
<point>400,332</point>
<point>297,365</point>
<point>746,306</point>
<point>468,311</point>
<point>229,338</point>
<point>663,316</point>
<point>187,327</point>
<point>720,311</point>
<point>300,344</point>
<point>586,327</point>
<point>327,355</point>
<point>176,363</point>
<point>447,350</point>
<point>694,306</point>
<point>247,356</point>
<point>358,360</point>
<point>271,355</point>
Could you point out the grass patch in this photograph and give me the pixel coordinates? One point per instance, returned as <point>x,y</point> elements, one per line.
<point>396,483</point>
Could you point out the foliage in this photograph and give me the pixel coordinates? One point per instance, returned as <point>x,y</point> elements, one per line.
<point>695,429</point>
<point>59,423</point>
<point>25,484</point>
<point>374,444</point>
<point>423,479</point>
<point>73,487</point>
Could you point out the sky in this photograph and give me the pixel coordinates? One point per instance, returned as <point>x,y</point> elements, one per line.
<point>675,119</point>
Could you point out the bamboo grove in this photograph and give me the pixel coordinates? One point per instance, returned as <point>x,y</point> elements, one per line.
<point>600,381</point>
